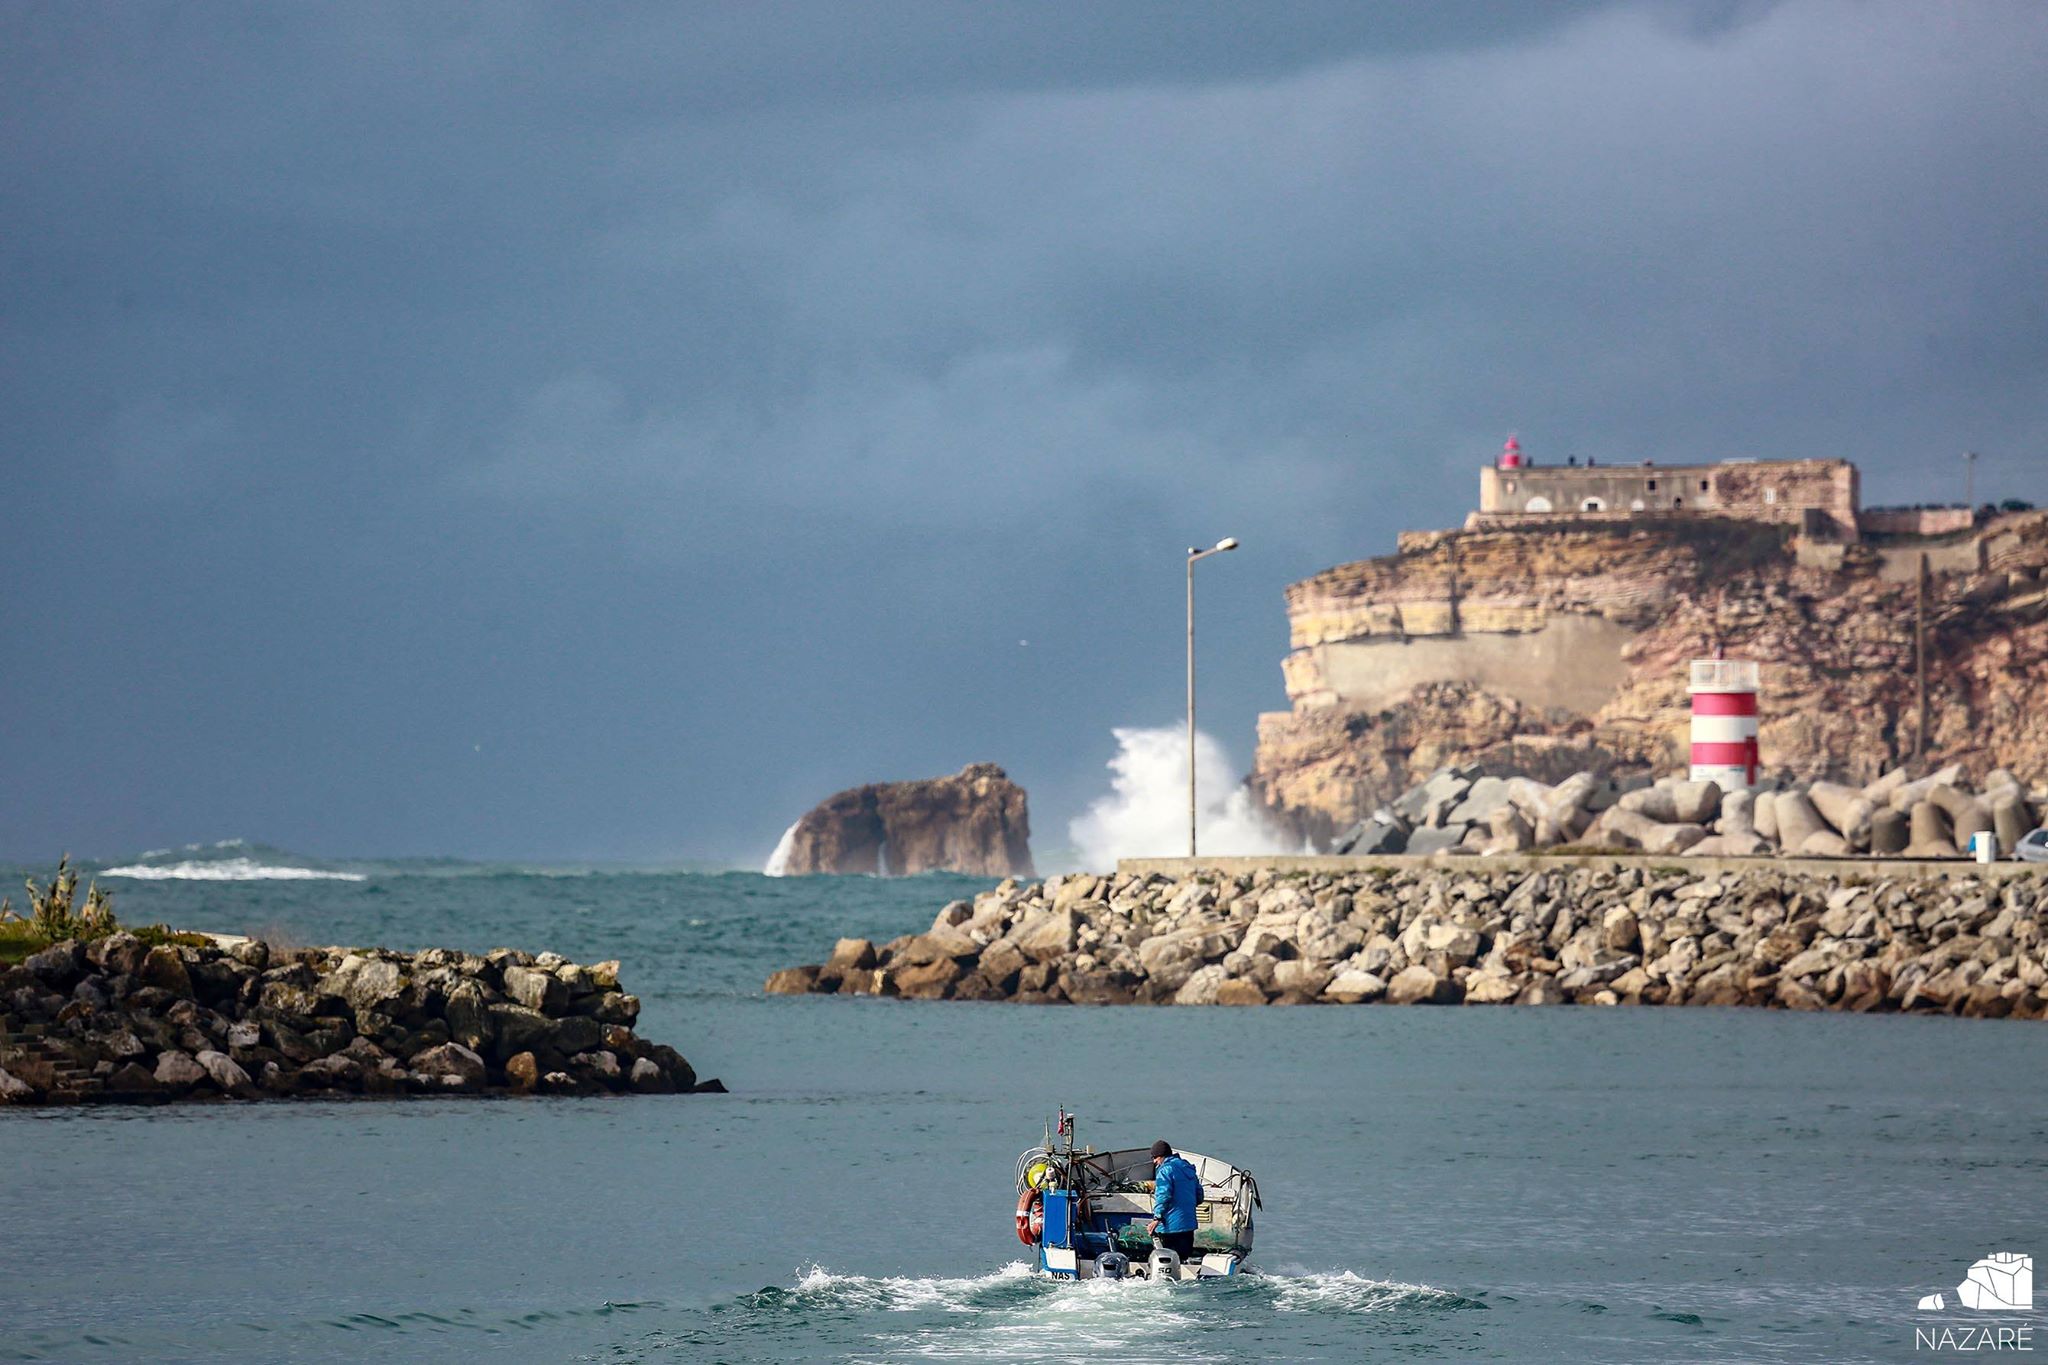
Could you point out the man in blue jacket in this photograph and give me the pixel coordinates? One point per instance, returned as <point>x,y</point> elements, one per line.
<point>1176,1189</point>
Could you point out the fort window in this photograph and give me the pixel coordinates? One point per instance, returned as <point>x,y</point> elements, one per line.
<point>1770,495</point>
<point>1678,502</point>
<point>1538,503</point>
<point>1703,485</point>
<point>1592,505</point>
<point>1653,485</point>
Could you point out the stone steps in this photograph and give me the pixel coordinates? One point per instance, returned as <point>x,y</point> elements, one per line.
<point>71,1082</point>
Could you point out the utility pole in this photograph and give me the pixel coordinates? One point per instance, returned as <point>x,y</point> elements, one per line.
<point>1970,479</point>
<point>1227,543</point>
<point>1920,657</point>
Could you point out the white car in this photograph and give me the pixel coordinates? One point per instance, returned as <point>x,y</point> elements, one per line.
<point>2033,848</point>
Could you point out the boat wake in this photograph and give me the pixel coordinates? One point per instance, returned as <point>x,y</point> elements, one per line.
<point>1014,1313</point>
<point>1019,1283</point>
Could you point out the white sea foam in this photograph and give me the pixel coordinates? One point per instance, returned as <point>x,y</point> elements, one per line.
<point>1345,1292</point>
<point>1012,1312</point>
<point>778,861</point>
<point>1145,813</point>
<point>228,870</point>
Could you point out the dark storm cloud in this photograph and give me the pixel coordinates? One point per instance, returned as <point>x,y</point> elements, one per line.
<point>552,430</point>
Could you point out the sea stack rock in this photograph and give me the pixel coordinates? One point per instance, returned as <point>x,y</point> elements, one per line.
<point>977,821</point>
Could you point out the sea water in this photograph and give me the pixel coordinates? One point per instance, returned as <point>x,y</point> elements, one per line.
<point>1512,1184</point>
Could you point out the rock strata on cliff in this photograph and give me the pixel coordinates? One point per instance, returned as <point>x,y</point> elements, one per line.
<point>977,821</point>
<point>1590,935</point>
<point>116,1021</point>
<point>1544,651</point>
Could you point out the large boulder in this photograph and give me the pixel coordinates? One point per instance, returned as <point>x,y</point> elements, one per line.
<point>1046,936</point>
<point>1240,992</point>
<point>850,955</point>
<point>1202,986</point>
<point>1379,834</point>
<point>1482,799</point>
<point>1510,831</point>
<point>1491,988</point>
<point>1418,985</point>
<point>1171,958</point>
<point>451,1059</point>
<point>1436,839</point>
<point>516,1029</point>
<point>522,1072</point>
<point>132,1078</point>
<point>59,966</point>
<point>13,1090</point>
<point>165,970</point>
<point>225,1072</point>
<point>467,1015</point>
<point>1354,986</point>
<point>536,989</point>
<point>928,980</point>
<point>647,1078</point>
<point>792,981</point>
<point>176,1071</point>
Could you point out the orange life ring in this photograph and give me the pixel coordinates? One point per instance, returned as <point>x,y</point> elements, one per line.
<point>1030,1218</point>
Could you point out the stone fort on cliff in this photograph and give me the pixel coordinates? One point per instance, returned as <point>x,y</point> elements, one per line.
<point>1550,632</point>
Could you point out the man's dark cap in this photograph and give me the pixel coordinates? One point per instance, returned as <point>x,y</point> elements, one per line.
<point>1162,1148</point>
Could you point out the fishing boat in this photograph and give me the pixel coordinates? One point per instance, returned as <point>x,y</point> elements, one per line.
<point>1087,1214</point>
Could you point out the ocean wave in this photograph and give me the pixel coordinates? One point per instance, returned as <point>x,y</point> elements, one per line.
<point>228,870</point>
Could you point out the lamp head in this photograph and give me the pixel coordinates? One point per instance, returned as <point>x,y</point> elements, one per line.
<point>1227,543</point>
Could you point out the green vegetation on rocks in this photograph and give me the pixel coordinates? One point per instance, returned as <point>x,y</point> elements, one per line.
<point>54,918</point>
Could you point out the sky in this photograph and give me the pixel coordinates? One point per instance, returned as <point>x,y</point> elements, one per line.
<point>551,431</point>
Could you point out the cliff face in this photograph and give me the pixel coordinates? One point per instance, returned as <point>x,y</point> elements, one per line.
<point>1549,650</point>
<point>978,821</point>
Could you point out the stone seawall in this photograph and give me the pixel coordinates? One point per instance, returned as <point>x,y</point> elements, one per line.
<point>117,1021</point>
<point>1789,937</point>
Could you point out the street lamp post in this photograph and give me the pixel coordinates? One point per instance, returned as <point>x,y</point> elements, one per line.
<point>1227,543</point>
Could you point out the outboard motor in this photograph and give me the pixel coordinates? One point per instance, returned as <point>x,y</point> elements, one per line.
<point>1165,1263</point>
<point>1112,1265</point>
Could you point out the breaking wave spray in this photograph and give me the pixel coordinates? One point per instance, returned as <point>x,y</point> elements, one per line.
<point>1145,813</point>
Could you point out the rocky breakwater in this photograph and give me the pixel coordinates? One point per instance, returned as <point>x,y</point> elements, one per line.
<point>1591,935</point>
<point>115,1020</point>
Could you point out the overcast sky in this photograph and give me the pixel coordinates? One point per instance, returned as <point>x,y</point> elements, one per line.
<point>603,431</point>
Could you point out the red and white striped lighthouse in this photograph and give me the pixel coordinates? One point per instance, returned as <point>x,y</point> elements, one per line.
<point>1724,722</point>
